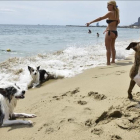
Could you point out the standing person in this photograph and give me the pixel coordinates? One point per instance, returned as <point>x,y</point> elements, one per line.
<point>97,34</point>
<point>111,31</point>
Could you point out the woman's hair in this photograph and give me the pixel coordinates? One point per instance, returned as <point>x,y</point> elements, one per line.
<point>115,7</point>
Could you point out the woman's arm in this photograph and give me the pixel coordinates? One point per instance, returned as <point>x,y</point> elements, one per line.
<point>99,19</point>
<point>105,30</point>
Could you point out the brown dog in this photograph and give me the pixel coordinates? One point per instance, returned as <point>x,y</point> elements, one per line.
<point>134,70</point>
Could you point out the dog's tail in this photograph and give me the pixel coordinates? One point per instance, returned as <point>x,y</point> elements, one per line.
<point>1,116</point>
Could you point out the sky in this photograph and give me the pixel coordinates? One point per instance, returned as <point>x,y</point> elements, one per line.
<point>64,12</point>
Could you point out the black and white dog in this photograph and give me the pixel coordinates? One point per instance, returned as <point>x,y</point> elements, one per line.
<point>38,75</point>
<point>8,101</point>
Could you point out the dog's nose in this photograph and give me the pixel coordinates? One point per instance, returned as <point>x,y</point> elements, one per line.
<point>23,91</point>
<point>35,73</point>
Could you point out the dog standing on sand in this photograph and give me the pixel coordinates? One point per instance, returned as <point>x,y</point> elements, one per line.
<point>135,68</point>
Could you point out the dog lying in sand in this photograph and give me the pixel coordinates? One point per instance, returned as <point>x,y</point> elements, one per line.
<point>135,71</point>
<point>38,76</point>
<point>8,101</point>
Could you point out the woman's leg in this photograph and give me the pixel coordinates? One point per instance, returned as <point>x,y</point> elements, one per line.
<point>108,41</point>
<point>113,51</point>
<point>112,46</point>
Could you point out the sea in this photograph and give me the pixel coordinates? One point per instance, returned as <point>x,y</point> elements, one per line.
<point>61,50</point>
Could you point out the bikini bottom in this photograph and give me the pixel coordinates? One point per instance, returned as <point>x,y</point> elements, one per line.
<point>115,32</point>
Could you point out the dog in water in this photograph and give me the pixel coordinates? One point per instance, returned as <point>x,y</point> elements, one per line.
<point>134,75</point>
<point>8,101</point>
<point>38,76</point>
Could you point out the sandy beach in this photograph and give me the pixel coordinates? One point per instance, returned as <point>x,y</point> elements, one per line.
<point>90,106</point>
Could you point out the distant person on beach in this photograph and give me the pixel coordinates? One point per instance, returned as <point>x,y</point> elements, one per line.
<point>97,34</point>
<point>89,31</point>
<point>111,31</point>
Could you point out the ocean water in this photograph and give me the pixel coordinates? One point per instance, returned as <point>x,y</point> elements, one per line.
<point>61,50</point>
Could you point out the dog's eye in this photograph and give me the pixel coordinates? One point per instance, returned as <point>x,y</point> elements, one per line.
<point>32,70</point>
<point>18,87</point>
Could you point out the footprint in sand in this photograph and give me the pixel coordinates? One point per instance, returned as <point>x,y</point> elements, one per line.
<point>89,122</point>
<point>57,97</point>
<point>135,108</point>
<point>75,91</point>
<point>69,93</point>
<point>109,115</point>
<point>44,125</point>
<point>123,123</point>
<point>126,116</point>
<point>97,96</point>
<point>71,120</point>
<point>97,131</point>
<point>95,77</point>
<point>119,72</point>
<point>116,137</point>
<point>82,102</point>
<point>49,130</point>
<point>87,109</point>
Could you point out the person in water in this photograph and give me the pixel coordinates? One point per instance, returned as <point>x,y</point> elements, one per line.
<point>111,31</point>
<point>89,31</point>
<point>97,34</point>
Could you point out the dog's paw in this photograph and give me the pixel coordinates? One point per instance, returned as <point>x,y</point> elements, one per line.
<point>28,122</point>
<point>30,116</point>
<point>33,115</point>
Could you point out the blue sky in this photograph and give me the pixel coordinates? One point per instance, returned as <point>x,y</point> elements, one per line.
<point>64,12</point>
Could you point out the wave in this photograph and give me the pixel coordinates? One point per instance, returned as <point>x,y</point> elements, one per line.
<point>66,63</point>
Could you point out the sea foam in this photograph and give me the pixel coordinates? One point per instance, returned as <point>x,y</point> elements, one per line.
<point>67,63</point>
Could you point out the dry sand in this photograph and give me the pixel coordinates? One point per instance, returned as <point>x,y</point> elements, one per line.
<point>90,106</point>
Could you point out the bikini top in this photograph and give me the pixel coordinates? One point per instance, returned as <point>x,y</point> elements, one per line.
<point>109,21</point>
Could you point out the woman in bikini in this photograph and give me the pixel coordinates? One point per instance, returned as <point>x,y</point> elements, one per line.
<point>111,31</point>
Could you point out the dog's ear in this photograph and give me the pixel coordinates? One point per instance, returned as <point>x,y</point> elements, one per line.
<point>5,93</point>
<point>132,45</point>
<point>38,67</point>
<point>29,68</point>
<point>9,92</point>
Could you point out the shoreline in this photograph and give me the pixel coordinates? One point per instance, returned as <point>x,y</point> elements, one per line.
<point>21,70</point>
<point>133,27</point>
<point>71,108</point>
<point>122,26</point>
